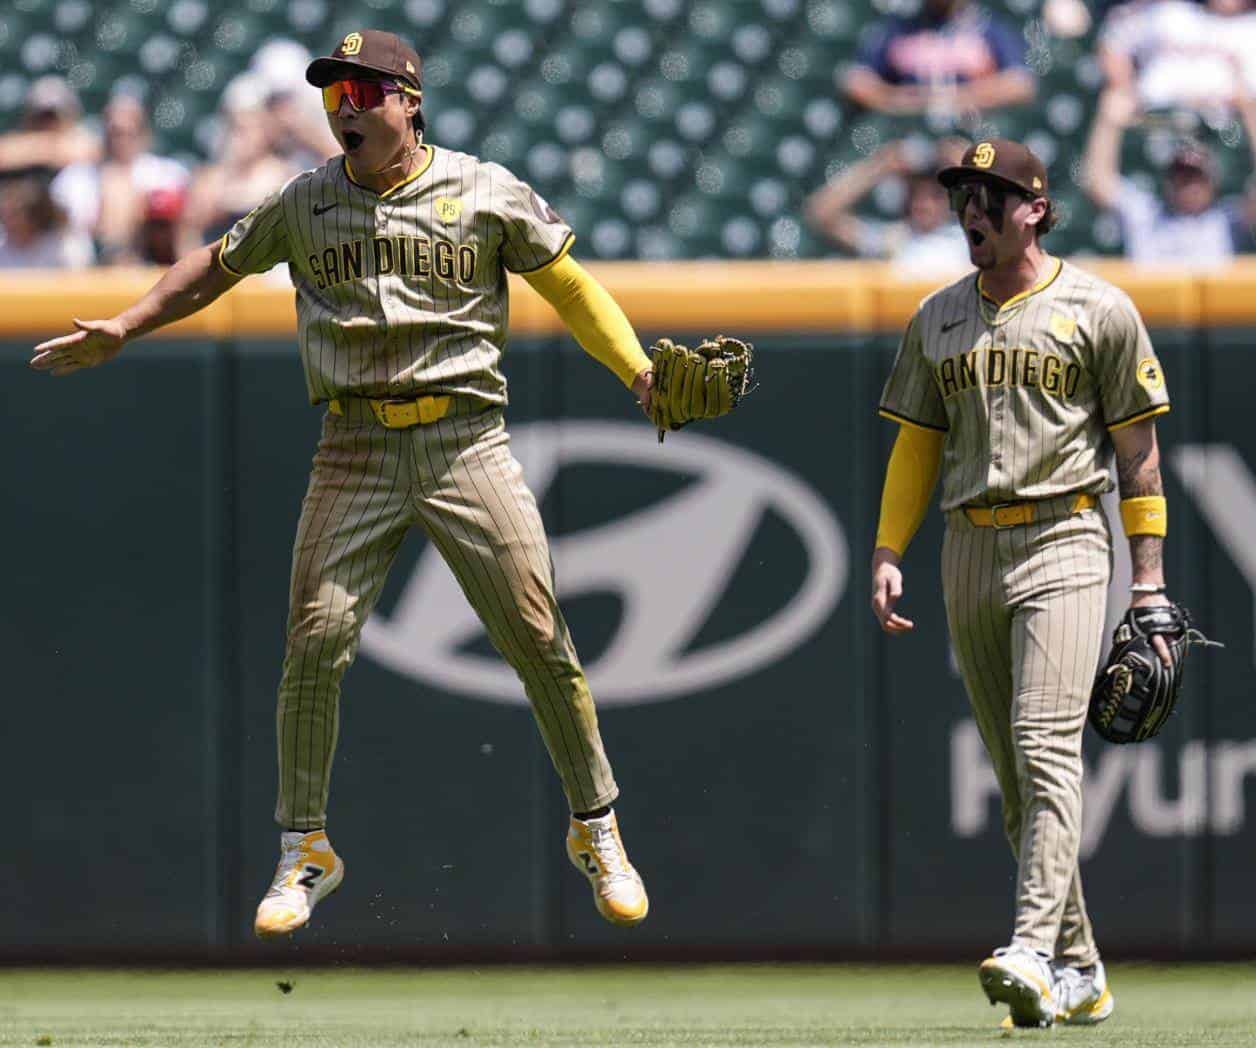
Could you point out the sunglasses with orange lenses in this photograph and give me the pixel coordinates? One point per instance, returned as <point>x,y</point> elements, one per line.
<point>362,94</point>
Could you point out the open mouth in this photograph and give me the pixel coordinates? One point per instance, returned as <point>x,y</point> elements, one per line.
<point>353,139</point>
<point>976,237</point>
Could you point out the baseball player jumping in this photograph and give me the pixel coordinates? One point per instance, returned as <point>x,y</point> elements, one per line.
<point>1017,383</point>
<point>399,250</point>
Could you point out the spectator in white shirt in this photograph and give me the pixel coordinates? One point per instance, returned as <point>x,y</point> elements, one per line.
<point>106,199</point>
<point>923,241</point>
<point>1179,54</point>
<point>1186,223</point>
<point>35,232</point>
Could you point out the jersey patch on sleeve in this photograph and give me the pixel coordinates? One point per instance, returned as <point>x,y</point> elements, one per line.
<point>1150,377</point>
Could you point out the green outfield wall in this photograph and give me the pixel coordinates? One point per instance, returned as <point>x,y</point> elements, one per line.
<point>792,781</point>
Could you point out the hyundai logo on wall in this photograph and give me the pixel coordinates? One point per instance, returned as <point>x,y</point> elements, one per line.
<point>668,563</point>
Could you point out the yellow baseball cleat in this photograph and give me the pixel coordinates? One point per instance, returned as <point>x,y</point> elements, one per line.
<point>596,850</point>
<point>1022,979</point>
<point>308,872</point>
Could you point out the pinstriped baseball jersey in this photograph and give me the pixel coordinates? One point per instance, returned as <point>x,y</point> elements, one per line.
<point>402,293</point>
<point>1027,391</point>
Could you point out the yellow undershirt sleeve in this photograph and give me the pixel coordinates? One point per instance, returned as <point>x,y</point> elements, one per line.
<point>592,316</point>
<point>910,477</point>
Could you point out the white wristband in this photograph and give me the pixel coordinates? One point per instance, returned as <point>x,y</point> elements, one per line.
<point>1146,587</point>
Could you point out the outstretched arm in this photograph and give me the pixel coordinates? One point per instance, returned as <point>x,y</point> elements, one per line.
<point>597,323</point>
<point>189,285</point>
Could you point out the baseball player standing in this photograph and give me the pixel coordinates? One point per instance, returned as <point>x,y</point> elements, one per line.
<point>399,250</point>
<point>1018,383</point>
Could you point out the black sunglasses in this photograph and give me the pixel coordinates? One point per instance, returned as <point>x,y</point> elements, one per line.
<point>990,198</point>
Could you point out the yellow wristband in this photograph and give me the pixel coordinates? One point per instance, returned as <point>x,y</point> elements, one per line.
<point>1146,515</point>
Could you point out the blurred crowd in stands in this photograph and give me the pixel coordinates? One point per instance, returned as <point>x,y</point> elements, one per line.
<point>72,197</point>
<point>79,190</point>
<point>1185,67</point>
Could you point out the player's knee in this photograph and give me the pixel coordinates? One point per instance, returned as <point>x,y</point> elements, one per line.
<point>549,664</point>
<point>328,612</point>
<point>1046,767</point>
<point>322,633</point>
<point>538,612</point>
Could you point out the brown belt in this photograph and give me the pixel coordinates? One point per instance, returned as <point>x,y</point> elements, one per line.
<point>1013,514</point>
<point>401,412</point>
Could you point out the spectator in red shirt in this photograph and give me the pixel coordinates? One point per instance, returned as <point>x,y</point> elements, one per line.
<point>158,238</point>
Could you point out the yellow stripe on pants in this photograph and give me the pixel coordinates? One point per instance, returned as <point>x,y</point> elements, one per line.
<point>1025,606</point>
<point>457,480</point>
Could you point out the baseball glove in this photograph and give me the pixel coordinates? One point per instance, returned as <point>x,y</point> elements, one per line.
<point>704,382</point>
<point>1134,693</point>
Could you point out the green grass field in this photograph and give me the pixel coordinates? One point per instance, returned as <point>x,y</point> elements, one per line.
<point>763,1005</point>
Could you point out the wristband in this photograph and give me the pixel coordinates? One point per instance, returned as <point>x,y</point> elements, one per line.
<point>1146,515</point>
<point>1147,587</point>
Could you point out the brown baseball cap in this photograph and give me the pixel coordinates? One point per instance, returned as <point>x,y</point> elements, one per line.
<point>999,160</point>
<point>371,51</point>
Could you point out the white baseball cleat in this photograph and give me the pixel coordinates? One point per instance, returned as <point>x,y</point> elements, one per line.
<point>308,872</point>
<point>1082,997</point>
<point>1022,979</point>
<point>596,850</point>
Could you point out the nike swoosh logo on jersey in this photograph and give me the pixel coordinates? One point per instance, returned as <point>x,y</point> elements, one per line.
<point>947,326</point>
<point>322,209</point>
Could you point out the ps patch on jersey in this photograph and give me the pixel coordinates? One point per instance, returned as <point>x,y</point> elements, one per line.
<point>448,209</point>
<point>1150,377</point>
<point>1063,327</point>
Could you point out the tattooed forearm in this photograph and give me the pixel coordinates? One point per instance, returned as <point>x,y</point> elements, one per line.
<point>1147,557</point>
<point>1138,473</point>
<point>1138,476</point>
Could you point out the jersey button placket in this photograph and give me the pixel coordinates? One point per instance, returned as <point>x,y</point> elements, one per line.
<point>996,424</point>
<point>381,230</point>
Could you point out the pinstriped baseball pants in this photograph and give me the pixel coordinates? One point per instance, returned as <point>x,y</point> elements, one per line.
<point>1025,606</point>
<point>457,480</point>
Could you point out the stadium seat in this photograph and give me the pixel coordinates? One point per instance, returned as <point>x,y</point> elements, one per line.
<point>639,114</point>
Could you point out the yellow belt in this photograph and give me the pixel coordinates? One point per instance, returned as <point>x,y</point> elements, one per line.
<point>401,412</point>
<point>1012,514</point>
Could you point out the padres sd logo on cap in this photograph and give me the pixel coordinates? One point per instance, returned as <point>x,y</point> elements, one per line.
<point>983,155</point>
<point>1150,377</point>
<point>351,44</point>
